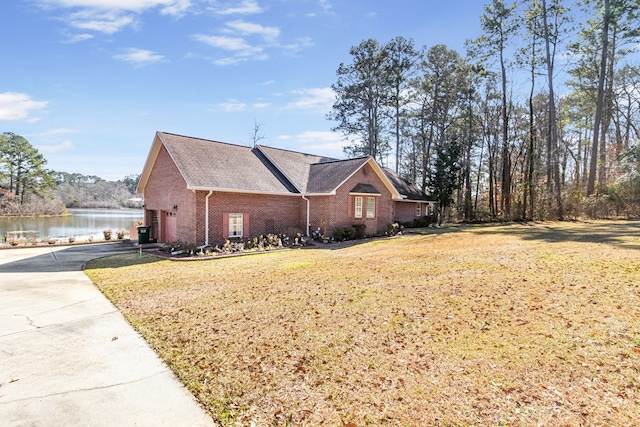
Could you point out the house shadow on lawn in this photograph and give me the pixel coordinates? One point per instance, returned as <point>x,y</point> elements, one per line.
<point>622,234</point>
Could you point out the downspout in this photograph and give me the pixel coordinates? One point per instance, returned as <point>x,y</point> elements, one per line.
<point>308,225</point>
<point>206,218</point>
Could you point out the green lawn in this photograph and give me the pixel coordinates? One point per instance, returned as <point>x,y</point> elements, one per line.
<point>534,324</point>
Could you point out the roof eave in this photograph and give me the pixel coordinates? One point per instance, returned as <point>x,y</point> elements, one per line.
<point>238,190</point>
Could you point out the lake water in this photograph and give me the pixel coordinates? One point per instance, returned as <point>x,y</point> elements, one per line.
<point>81,224</point>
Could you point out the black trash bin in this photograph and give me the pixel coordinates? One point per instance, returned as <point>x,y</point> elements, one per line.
<point>143,234</point>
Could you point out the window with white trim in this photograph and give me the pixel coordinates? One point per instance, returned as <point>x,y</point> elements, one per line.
<point>358,207</point>
<point>418,209</point>
<point>235,225</point>
<point>371,207</point>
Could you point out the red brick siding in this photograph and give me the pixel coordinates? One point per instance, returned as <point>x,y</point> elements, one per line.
<point>266,214</point>
<point>406,211</point>
<point>165,189</point>
<point>340,204</point>
<point>320,208</point>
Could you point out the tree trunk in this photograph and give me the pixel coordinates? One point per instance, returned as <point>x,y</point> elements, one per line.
<point>553,120</point>
<point>593,165</point>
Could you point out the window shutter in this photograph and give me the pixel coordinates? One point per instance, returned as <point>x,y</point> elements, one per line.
<point>352,200</point>
<point>225,225</point>
<point>245,225</point>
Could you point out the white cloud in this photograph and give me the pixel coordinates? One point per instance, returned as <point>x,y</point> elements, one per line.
<point>261,105</point>
<point>233,105</point>
<point>108,22</point>
<point>318,142</point>
<point>76,38</point>
<point>57,131</point>
<point>325,5</point>
<point>243,51</point>
<point>54,148</point>
<point>250,28</point>
<point>139,57</point>
<point>17,106</point>
<point>244,8</point>
<point>128,5</point>
<point>298,45</point>
<point>111,16</point>
<point>222,42</point>
<point>320,99</point>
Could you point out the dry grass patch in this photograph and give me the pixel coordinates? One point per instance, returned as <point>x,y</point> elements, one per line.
<point>502,325</point>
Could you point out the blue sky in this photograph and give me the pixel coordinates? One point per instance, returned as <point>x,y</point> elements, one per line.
<point>89,82</point>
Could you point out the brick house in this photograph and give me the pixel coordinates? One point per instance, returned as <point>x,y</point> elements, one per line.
<point>204,192</point>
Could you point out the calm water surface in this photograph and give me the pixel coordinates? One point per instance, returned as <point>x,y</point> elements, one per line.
<point>82,223</point>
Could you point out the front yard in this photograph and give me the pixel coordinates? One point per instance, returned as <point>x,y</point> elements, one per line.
<point>514,325</point>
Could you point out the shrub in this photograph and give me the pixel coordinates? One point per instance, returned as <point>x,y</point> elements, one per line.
<point>338,234</point>
<point>395,228</point>
<point>358,231</point>
<point>107,234</point>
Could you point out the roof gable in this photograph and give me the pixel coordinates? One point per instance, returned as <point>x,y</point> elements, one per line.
<point>328,176</point>
<point>199,162</point>
<point>212,165</point>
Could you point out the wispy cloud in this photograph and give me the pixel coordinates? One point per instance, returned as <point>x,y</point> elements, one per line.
<point>238,37</point>
<point>111,16</point>
<point>244,8</point>
<point>297,45</point>
<point>77,38</point>
<point>325,6</point>
<point>233,105</point>
<point>18,106</point>
<point>55,148</point>
<point>56,132</point>
<point>320,99</point>
<point>318,142</point>
<point>139,57</point>
<point>250,28</point>
<point>109,22</point>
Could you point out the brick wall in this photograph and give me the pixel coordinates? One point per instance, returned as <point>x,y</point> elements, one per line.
<point>340,204</point>
<point>406,211</point>
<point>165,189</point>
<point>266,214</point>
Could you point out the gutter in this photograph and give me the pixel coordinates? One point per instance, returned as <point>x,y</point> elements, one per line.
<point>206,218</point>
<point>308,225</point>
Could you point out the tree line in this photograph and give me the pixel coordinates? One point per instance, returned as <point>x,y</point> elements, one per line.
<point>538,119</point>
<point>27,187</point>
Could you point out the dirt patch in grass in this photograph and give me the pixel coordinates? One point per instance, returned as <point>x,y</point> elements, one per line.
<point>514,325</point>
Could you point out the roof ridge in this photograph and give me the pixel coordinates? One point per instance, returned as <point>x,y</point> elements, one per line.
<point>341,160</point>
<point>204,139</point>
<point>293,151</point>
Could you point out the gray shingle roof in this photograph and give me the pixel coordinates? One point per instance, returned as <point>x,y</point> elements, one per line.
<point>326,177</point>
<point>364,189</point>
<point>295,166</point>
<point>404,187</point>
<point>199,161</point>
<point>207,164</point>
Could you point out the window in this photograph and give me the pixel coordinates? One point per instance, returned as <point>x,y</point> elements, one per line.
<point>371,207</point>
<point>358,210</point>
<point>235,225</point>
<point>418,209</point>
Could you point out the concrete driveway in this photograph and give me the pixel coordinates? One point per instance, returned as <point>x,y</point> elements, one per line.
<point>68,357</point>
